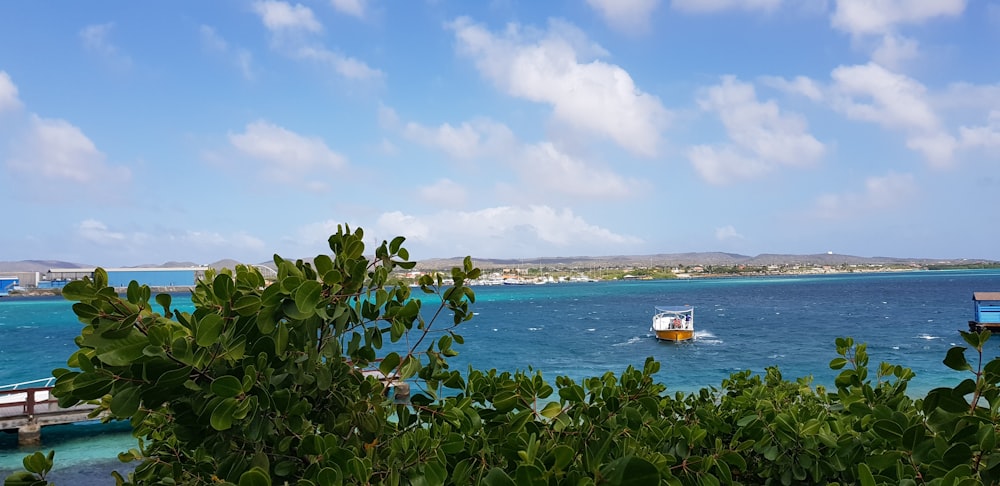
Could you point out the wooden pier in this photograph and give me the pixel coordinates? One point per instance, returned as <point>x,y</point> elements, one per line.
<point>28,408</point>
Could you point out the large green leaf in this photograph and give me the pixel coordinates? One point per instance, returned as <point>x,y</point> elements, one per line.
<point>208,330</point>
<point>308,295</point>
<point>78,290</point>
<point>563,455</point>
<point>247,305</point>
<point>125,402</point>
<point>38,463</point>
<point>957,454</point>
<point>222,415</point>
<point>85,312</point>
<point>865,475</point>
<point>227,386</point>
<point>945,399</point>
<point>389,363</point>
<point>255,477</point>
<point>631,471</point>
<point>323,264</point>
<point>551,410</point>
<point>888,430</point>
<point>281,339</point>
<point>223,287</point>
<point>329,476</point>
<point>497,477</point>
<point>164,301</point>
<point>955,359</point>
<point>123,351</point>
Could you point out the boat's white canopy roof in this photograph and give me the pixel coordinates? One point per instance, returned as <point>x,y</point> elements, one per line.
<point>674,308</point>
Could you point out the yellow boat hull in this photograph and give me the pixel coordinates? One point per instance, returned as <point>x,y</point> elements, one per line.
<point>675,335</point>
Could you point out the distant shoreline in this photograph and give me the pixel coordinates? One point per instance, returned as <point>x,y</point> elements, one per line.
<point>35,293</point>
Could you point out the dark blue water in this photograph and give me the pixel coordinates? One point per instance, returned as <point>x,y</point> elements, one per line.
<point>583,330</point>
<point>586,329</point>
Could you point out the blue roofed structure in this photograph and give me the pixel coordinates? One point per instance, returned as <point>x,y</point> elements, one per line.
<point>987,311</point>
<point>7,283</point>
<point>156,277</point>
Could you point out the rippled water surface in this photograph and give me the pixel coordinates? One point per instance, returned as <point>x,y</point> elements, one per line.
<point>586,329</point>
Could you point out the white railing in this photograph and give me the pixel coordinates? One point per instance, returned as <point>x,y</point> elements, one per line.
<point>39,383</point>
<point>266,271</point>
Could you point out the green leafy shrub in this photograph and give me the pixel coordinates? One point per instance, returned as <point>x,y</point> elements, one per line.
<point>271,383</point>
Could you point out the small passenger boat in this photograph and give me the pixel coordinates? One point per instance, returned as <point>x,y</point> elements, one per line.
<point>673,323</point>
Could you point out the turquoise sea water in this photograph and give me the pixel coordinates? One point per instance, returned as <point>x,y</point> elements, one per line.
<point>586,329</point>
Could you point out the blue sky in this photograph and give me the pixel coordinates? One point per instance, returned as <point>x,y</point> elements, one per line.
<point>135,133</point>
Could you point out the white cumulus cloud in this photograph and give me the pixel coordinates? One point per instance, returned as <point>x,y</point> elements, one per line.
<point>346,66</point>
<point>870,92</point>
<point>880,194</point>
<point>984,136</point>
<point>895,51</point>
<point>557,67</point>
<point>506,231</point>
<point>350,7</point>
<point>550,170</point>
<point>964,96</point>
<point>800,85</point>
<point>286,155</point>
<point>724,165</point>
<point>625,15</point>
<point>492,232</point>
<point>542,167</point>
<point>727,233</point>
<point>710,6</point>
<point>444,192</point>
<point>293,33</point>
<point>761,136</point>
<point>873,93</point>
<point>285,17</point>
<point>241,58</point>
<point>168,243</point>
<point>387,117</point>
<point>469,140</point>
<point>96,39</point>
<point>237,241</point>
<point>860,17</point>
<point>97,232</point>
<point>9,100</point>
<point>57,150</point>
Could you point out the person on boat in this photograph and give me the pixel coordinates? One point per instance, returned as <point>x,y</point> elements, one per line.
<point>677,323</point>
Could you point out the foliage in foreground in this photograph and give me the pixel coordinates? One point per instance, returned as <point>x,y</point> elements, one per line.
<point>264,385</point>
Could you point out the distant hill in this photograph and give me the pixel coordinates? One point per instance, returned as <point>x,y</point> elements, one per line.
<point>170,264</point>
<point>661,259</point>
<point>695,258</point>
<point>38,265</point>
<point>175,265</point>
<point>231,264</point>
<point>227,263</point>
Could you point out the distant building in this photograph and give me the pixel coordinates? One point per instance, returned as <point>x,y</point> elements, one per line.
<point>7,283</point>
<point>176,277</point>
